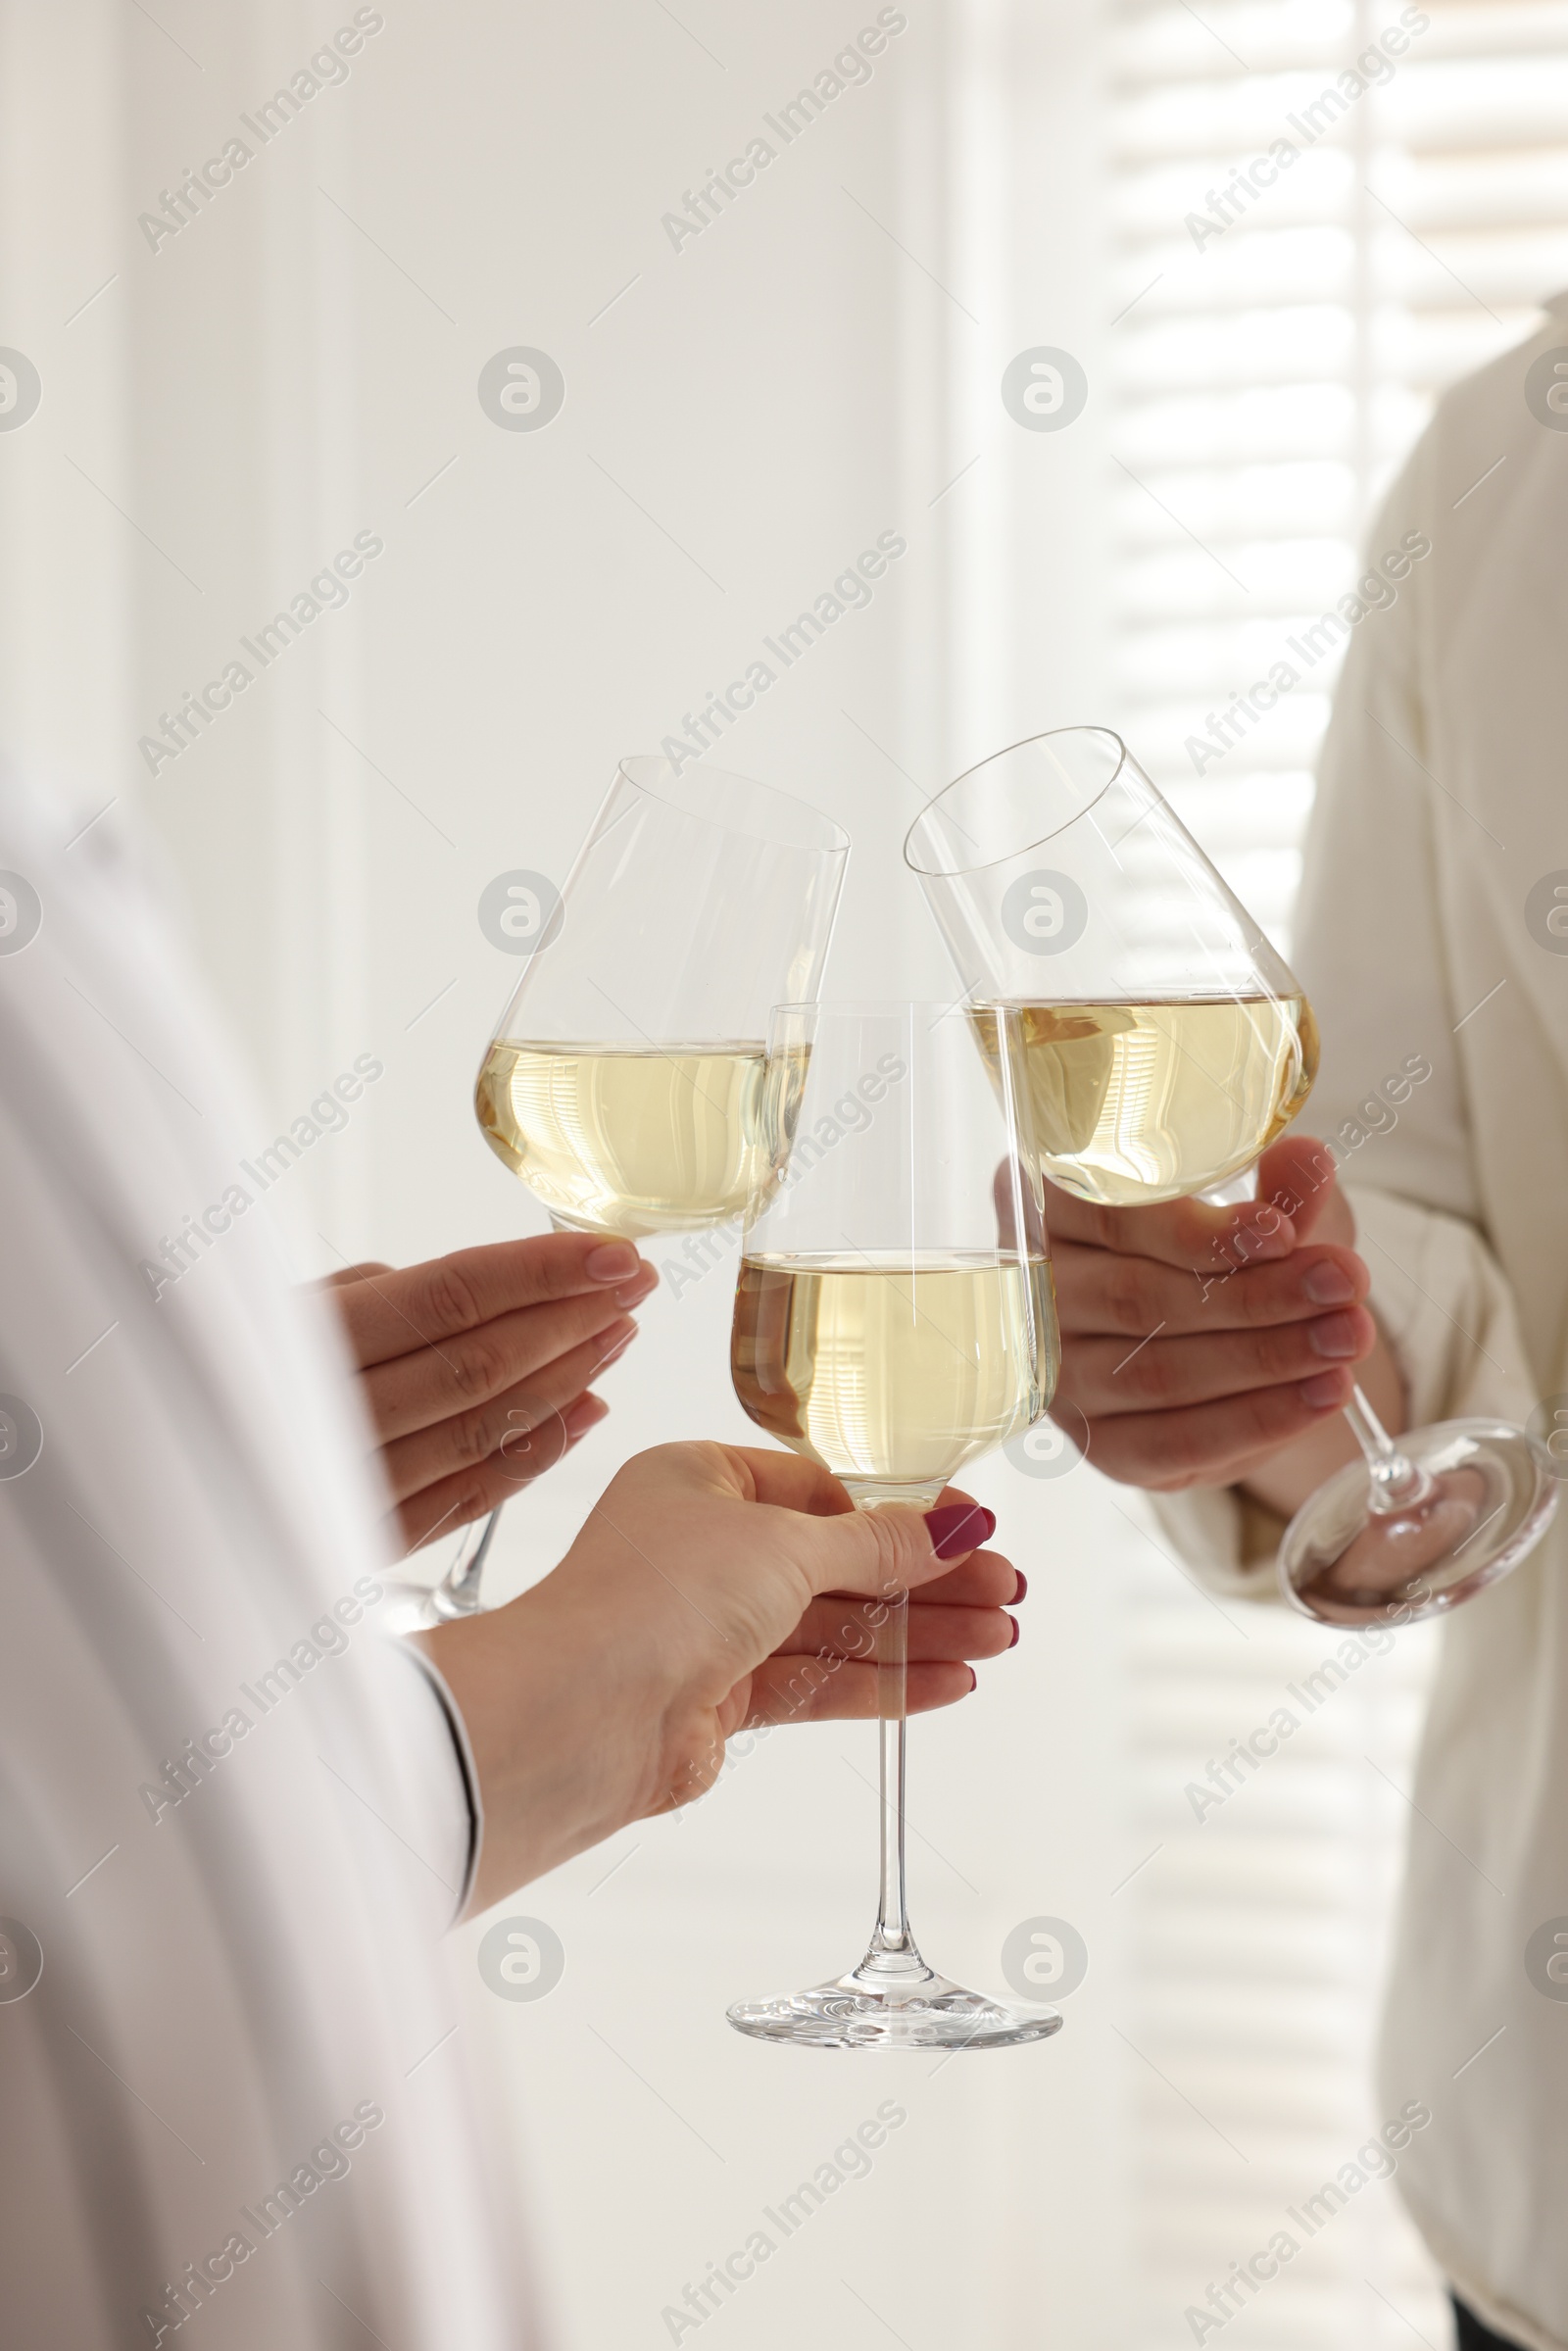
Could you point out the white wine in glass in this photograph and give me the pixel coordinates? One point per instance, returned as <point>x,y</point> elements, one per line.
<point>634,1140</point>
<point>1167,1046</point>
<point>891,1368</point>
<point>894,1321</point>
<point>1135,1103</point>
<point>623,1083</point>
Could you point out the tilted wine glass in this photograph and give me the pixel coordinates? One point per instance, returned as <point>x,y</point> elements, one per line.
<point>1167,1046</point>
<point>894,1320</point>
<point>624,1082</point>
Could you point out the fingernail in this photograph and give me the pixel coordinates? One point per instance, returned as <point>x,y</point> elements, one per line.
<point>1333,1335</point>
<point>959,1527</point>
<point>974,1679</point>
<point>1326,1388</point>
<point>585,1414</point>
<point>1024,1587</point>
<point>635,1293</point>
<point>1257,1241</point>
<point>1328,1284</point>
<point>614,1262</point>
<point>1016,1630</point>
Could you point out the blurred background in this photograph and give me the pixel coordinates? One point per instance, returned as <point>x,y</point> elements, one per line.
<point>231,380</point>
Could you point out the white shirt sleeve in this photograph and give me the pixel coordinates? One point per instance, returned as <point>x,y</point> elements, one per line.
<point>457,1823</point>
<point>233,1819</point>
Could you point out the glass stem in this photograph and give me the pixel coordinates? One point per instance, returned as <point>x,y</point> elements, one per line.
<point>1397,1483</point>
<point>893,1953</point>
<point>458,1592</point>
<point>892,1673</point>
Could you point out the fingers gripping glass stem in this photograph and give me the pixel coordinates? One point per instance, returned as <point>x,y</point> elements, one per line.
<point>622,1083</point>
<point>1168,1045</point>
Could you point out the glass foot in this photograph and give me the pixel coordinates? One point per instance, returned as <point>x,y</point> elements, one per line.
<point>1489,1496</point>
<point>923,2011</point>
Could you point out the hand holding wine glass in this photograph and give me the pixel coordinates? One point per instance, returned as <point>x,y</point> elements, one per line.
<point>624,1082</point>
<point>711,1587</point>
<point>475,1369</point>
<point>1169,1046</point>
<point>1198,1340</point>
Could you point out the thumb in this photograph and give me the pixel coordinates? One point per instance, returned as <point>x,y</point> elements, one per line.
<point>896,1546</point>
<point>1296,1175</point>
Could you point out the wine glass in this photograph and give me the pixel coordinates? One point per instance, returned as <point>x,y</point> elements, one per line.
<point>1168,1044</point>
<point>624,1082</point>
<point>895,1319</point>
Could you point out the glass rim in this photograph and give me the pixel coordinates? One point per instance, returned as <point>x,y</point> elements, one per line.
<point>887,1008</point>
<point>1124,758</point>
<point>914,1015</point>
<point>833,841</point>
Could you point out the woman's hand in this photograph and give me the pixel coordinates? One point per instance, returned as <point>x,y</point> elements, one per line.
<point>1207,1346</point>
<point>825,1668</point>
<point>713,1585</point>
<point>475,1369</point>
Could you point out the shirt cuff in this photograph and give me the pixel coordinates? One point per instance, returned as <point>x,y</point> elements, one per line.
<point>1228,1540</point>
<point>1446,1310</point>
<point>459,1820</point>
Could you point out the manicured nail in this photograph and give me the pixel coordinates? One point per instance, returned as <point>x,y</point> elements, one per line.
<point>1334,1335</point>
<point>959,1527</point>
<point>616,1261</point>
<point>585,1414</point>
<point>974,1679</point>
<point>633,1292</point>
<point>1326,1388</point>
<point>1016,1630</point>
<point>1024,1587</point>
<point>1328,1284</point>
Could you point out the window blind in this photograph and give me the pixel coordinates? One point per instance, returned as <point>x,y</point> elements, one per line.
<point>1279,352</point>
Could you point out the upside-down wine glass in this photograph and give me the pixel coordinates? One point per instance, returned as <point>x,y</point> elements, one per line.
<point>894,1320</point>
<point>624,1082</point>
<point>1167,1046</point>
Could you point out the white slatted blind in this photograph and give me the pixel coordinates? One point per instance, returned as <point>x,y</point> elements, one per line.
<point>1269,383</point>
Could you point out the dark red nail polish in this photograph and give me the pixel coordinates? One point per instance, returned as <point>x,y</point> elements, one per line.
<point>959,1527</point>
<point>1016,1630</point>
<point>1023,1592</point>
